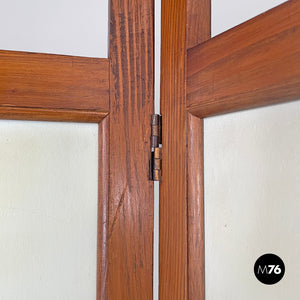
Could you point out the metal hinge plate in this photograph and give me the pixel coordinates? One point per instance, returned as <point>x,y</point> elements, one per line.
<point>156,141</point>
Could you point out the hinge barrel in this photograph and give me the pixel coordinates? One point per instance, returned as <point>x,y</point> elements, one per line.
<point>155,131</point>
<point>156,141</point>
<point>155,167</point>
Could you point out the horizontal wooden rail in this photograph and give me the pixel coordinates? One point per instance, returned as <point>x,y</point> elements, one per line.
<point>48,114</point>
<point>254,64</point>
<point>53,81</point>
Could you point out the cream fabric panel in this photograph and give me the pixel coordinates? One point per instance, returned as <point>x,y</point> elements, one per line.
<point>48,210</point>
<point>252,207</point>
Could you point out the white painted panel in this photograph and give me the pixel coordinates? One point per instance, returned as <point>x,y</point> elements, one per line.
<point>229,13</point>
<point>48,210</point>
<point>252,207</point>
<point>72,27</point>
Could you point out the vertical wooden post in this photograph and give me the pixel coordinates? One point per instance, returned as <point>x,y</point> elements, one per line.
<point>173,208</point>
<point>195,203</point>
<point>184,24</point>
<point>130,230</point>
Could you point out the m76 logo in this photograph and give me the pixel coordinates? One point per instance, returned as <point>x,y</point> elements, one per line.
<point>269,269</point>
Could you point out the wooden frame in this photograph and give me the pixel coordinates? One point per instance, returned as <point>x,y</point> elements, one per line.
<point>184,24</point>
<point>258,65</point>
<point>116,93</point>
<point>130,211</point>
<point>254,64</point>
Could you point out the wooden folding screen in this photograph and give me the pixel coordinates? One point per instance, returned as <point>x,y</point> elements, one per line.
<point>117,93</point>
<point>254,64</point>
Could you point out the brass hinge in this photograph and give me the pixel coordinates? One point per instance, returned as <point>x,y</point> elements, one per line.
<point>156,141</point>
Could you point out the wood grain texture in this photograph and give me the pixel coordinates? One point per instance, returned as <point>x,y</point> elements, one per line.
<point>130,235</point>
<point>53,81</point>
<point>254,64</point>
<point>173,205</point>
<point>103,194</point>
<point>198,22</point>
<point>195,181</point>
<point>184,23</point>
<point>198,31</point>
<point>46,114</point>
